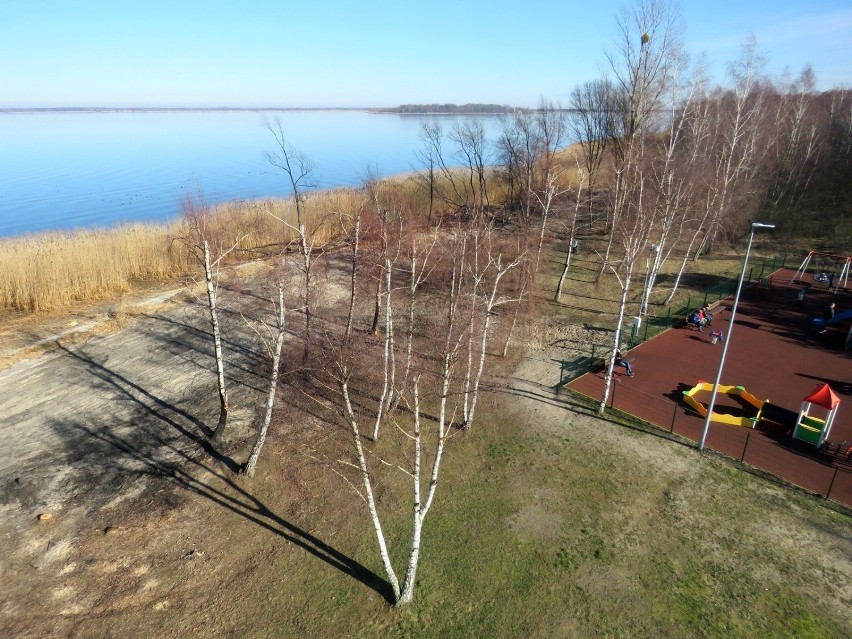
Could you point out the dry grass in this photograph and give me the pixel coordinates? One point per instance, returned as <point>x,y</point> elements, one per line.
<point>45,272</point>
<point>50,271</point>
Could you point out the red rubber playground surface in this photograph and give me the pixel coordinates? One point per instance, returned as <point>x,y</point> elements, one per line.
<point>776,356</point>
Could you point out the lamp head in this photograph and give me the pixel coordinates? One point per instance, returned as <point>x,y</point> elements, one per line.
<point>760,225</point>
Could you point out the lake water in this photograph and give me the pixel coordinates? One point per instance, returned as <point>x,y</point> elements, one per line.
<point>62,170</point>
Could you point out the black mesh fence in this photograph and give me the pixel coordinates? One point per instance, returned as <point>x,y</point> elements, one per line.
<point>826,471</point>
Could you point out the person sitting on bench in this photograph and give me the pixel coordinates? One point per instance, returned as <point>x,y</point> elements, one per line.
<point>697,318</point>
<point>620,361</point>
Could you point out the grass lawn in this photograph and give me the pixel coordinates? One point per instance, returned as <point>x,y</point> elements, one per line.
<point>561,525</point>
<point>548,523</point>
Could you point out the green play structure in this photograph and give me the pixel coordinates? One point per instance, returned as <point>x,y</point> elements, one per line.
<point>806,427</point>
<point>813,429</point>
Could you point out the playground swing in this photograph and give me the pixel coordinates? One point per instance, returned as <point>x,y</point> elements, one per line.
<point>813,429</point>
<point>824,260</point>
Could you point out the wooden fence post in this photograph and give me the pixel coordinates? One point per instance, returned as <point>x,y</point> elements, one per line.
<point>831,485</point>
<point>745,448</point>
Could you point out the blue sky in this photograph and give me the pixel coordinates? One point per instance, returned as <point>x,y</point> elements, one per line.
<point>371,53</point>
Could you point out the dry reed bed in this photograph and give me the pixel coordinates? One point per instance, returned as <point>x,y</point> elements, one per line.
<point>49,271</point>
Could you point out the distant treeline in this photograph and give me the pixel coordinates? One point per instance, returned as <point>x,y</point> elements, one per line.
<point>450,108</point>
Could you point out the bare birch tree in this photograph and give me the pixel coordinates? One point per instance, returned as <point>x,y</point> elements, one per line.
<point>275,352</point>
<point>416,470</point>
<point>388,350</point>
<point>796,144</point>
<point>735,144</point>
<point>299,169</point>
<point>571,227</point>
<point>444,183</point>
<point>487,284</point>
<point>591,125</point>
<point>383,215</point>
<point>520,149</point>
<point>473,151</point>
<point>649,42</point>
<point>198,237</point>
<point>674,175</point>
<point>634,234</point>
<point>419,269</point>
<point>643,63</point>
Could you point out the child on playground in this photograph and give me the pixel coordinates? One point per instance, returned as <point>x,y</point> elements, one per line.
<point>620,361</point>
<point>700,318</point>
<point>828,315</point>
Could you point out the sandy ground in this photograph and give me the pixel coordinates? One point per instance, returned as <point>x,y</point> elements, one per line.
<point>93,424</point>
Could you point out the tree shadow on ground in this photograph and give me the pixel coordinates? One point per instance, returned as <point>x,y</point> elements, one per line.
<point>695,281</point>
<point>564,399</point>
<point>838,386</point>
<point>162,459</point>
<point>152,406</point>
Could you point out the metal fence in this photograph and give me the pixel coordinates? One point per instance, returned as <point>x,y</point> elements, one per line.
<point>675,314</point>
<point>825,471</point>
<point>828,473</point>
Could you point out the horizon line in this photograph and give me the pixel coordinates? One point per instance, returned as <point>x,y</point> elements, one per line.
<point>183,108</point>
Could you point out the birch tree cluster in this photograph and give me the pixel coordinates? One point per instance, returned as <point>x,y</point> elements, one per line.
<point>390,332</point>
<point>403,386</point>
<point>676,166</point>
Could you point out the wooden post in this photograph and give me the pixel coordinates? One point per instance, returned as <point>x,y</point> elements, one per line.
<point>745,448</point>
<point>831,485</point>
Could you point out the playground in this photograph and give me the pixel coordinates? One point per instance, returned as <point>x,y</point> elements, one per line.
<point>777,358</point>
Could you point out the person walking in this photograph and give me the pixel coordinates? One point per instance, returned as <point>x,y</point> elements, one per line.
<point>828,315</point>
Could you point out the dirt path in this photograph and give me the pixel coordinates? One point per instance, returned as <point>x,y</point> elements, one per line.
<point>93,423</point>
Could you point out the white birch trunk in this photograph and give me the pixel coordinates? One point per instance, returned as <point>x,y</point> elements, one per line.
<point>567,265</point>
<point>306,249</point>
<point>419,511</point>
<point>217,343</point>
<point>251,464</point>
<point>353,282</point>
<point>477,283</point>
<point>380,411</point>
<point>625,288</point>
<point>416,513</point>
<point>391,334</point>
<point>490,304</point>
<point>409,345</point>
<point>368,491</point>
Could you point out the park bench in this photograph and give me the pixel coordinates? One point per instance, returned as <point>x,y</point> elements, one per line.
<point>715,309</point>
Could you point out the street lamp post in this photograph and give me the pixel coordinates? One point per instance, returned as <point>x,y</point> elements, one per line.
<point>727,340</point>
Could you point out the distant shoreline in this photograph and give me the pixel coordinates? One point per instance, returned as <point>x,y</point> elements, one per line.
<point>172,109</point>
<point>408,110</point>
